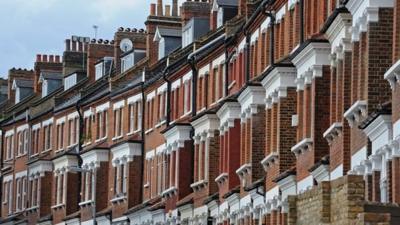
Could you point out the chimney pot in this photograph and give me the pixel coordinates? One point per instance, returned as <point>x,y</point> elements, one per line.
<point>152,9</point>
<point>38,58</point>
<point>134,30</point>
<point>128,29</point>
<point>51,58</point>
<point>57,58</point>
<point>167,10</point>
<point>160,8</point>
<point>68,45</point>
<point>174,7</point>
<point>73,46</point>
<point>121,29</point>
<point>44,58</point>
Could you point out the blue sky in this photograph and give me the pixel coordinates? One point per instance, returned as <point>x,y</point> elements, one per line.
<point>30,27</point>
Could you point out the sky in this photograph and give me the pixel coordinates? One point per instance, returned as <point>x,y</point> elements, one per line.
<point>30,27</point>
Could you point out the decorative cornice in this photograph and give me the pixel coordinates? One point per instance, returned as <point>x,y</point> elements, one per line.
<point>302,146</point>
<point>356,111</point>
<point>333,132</point>
<point>393,75</point>
<point>250,99</point>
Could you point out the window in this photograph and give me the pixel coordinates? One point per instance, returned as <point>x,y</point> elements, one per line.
<point>118,128</point>
<point>187,96</point>
<point>88,130</point>
<point>102,125</point>
<point>216,85</point>
<point>135,117</point>
<point>162,110</point>
<point>127,62</point>
<point>60,188</point>
<point>60,136</point>
<point>161,48</point>
<point>70,81</point>
<point>35,141</point>
<point>9,147</point>
<point>87,186</point>
<point>73,131</point>
<point>150,113</point>
<point>220,17</point>
<point>21,193</point>
<point>34,192</point>
<point>7,197</point>
<point>47,137</point>
<point>22,147</point>
<point>120,182</point>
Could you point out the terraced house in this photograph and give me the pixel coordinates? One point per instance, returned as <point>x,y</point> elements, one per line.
<point>241,112</point>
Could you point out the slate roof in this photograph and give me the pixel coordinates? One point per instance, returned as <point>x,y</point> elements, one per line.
<point>51,76</point>
<point>227,2</point>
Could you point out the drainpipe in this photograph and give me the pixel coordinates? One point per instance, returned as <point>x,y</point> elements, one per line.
<point>248,55</point>
<point>165,77</point>
<point>228,58</point>
<point>80,143</point>
<point>1,160</point>
<point>271,15</point>
<point>192,63</point>
<point>301,21</point>
<point>142,133</point>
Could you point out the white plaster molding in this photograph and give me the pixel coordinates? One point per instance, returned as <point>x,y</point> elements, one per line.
<point>305,184</point>
<point>276,84</point>
<point>103,107</point>
<point>176,136</point>
<point>93,158</point>
<point>134,99</point>
<point>287,186</point>
<point>119,104</point>
<point>339,35</point>
<point>333,132</point>
<point>176,84</point>
<point>227,114</point>
<point>270,160</point>
<point>310,61</point>
<point>39,168</point>
<point>356,112</point>
<point>321,173</point>
<point>221,178</point>
<point>250,99</point>
<point>162,88</point>
<point>243,170</point>
<point>125,152</point>
<point>9,133</point>
<point>302,146</point>
<point>150,96</point>
<point>65,163</point>
<point>365,12</point>
<point>48,122</point>
<point>393,75</point>
<point>22,127</point>
<point>207,124</point>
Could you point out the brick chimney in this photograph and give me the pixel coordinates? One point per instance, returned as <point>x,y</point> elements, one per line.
<point>97,50</point>
<point>74,57</point>
<point>47,63</point>
<point>159,19</point>
<point>199,9</point>
<point>20,74</point>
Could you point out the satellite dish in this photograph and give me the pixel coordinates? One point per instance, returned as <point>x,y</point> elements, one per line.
<point>126,45</point>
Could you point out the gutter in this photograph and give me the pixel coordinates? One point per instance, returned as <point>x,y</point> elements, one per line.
<point>301,21</point>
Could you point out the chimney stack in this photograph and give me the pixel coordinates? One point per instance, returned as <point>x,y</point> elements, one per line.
<point>152,9</point>
<point>174,7</point>
<point>159,8</point>
<point>167,10</point>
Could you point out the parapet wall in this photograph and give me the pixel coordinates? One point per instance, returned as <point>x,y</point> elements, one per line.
<point>338,202</point>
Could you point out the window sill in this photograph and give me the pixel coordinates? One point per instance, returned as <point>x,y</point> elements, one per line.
<point>169,192</point>
<point>199,185</point>
<point>71,146</point>
<point>149,131</point>
<point>59,206</point>
<point>118,199</point>
<point>34,155</point>
<point>86,203</point>
<point>231,85</point>
<point>117,138</point>
<point>32,209</point>
<point>48,150</point>
<point>11,159</point>
<point>186,114</point>
<point>20,156</point>
<point>101,139</point>
<point>221,178</point>
<point>87,144</point>
<point>160,124</point>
